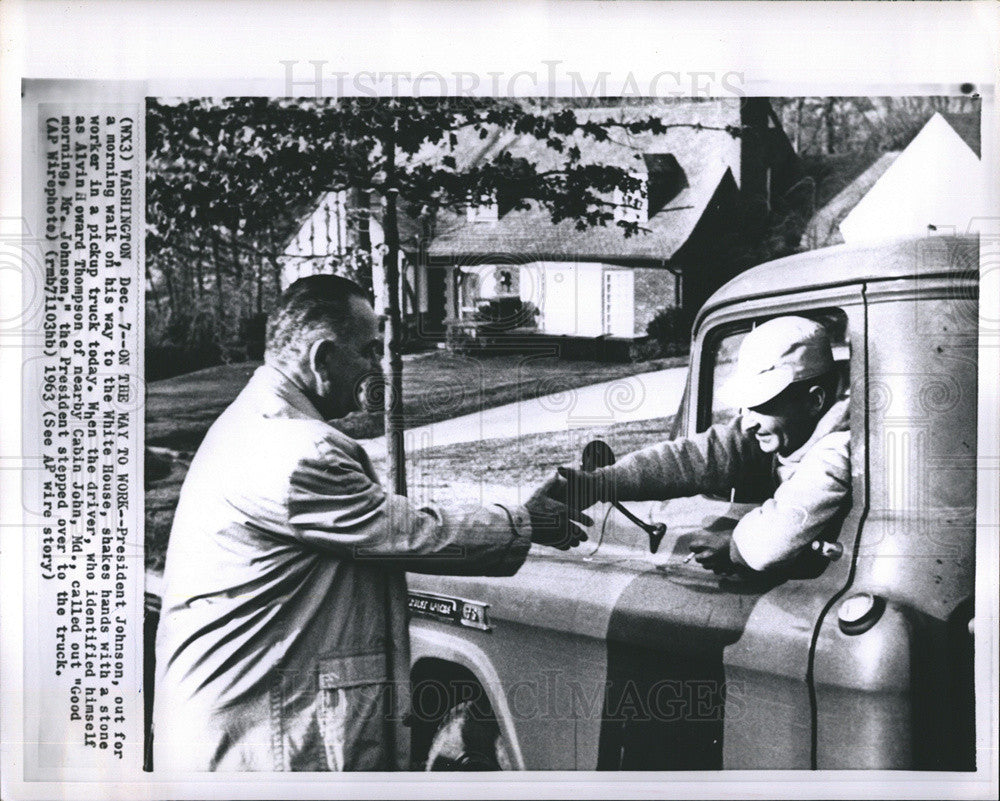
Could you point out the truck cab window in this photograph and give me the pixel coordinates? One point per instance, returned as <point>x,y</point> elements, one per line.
<point>722,348</point>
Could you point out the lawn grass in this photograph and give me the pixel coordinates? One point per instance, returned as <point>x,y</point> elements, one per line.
<point>436,386</point>
<point>179,410</point>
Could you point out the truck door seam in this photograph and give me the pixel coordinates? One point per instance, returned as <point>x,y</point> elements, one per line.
<point>813,644</point>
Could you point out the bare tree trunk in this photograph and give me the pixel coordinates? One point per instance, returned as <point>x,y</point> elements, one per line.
<point>185,280</point>
<point>798,125</point>
<point>152,289</point>
<point>277,278</point>
<point>199,285</point>
<point>276,264</point>
<point>392,362</point>
<point>171,292</point>
<point>365,239</point>
<point>830,128</point>
<point>220,309</point>
<point>260,283</point>
<point>234,251</point>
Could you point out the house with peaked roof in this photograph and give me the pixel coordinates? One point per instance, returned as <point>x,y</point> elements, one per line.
<point>935,184</point>
<point>708,184</point>
<point>706,193</point>
<point>339,226</point>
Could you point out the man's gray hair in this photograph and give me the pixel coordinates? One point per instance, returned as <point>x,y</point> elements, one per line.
<point>312,307</point>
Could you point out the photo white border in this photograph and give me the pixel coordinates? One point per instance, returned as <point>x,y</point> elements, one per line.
<point>782,49</point>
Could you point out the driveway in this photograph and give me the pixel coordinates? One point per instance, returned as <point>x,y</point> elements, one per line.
<point>639,397</point>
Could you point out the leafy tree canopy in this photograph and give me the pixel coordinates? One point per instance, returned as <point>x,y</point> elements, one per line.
<point>248,165</point>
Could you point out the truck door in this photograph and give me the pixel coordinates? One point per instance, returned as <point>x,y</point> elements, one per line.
<point>893,658</point>
<point>703,671</point>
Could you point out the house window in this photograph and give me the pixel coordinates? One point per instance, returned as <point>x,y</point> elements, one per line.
<point>505,281</point>
<point>617,303</point>
<point>485,210</point>
<point>606,306</point>
<point>631,206</point>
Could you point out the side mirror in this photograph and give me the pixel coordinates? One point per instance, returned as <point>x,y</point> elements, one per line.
<point>596,454</point>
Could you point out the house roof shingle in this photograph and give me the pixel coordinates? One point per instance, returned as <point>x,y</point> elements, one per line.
<point>705,156</point>
<point>530,233</point>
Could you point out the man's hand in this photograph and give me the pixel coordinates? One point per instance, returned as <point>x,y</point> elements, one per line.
<point>581,489</point>
<point>553,523</point>
<point>712,551</point>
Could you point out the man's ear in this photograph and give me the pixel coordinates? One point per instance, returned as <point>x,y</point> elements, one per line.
<point>817,399</point>
<point>319,356</point>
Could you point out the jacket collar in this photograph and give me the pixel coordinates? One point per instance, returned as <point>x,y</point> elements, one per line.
<point>277,396</point>
<point>835,419</point>
<point>270,382</point>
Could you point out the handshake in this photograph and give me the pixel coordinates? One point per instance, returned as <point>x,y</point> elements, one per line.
<point>556,508</point>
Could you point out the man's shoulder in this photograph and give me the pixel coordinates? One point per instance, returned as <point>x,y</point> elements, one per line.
<point>305,439</point>
<point>269,431</point>
<point>256,433</point>
<point>831,454</point>
<point>333,442</point>
<point>836,440</point>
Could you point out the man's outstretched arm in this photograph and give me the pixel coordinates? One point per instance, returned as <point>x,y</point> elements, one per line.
<point>333,505</point>
<point>709,462</point>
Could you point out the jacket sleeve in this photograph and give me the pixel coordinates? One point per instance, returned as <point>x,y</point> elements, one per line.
<point>335,506</point>
<point>801,508</point>
<point>709,462</point>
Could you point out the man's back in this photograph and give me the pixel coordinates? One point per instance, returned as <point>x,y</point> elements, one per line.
<point>283,640</point>
<point>250,612</point>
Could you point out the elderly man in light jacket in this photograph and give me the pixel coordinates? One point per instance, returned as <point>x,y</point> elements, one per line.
<point>791,445</point>
<point>283,640</point>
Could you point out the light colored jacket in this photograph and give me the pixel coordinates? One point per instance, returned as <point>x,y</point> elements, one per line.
<point>283,641</point>
<point>801,493</point>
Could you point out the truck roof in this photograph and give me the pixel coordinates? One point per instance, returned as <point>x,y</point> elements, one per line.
<point>851,264</point>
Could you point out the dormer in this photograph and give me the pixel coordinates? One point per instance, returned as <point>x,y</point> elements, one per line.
<point>631,206</point>
<point>661,182</point>
<point>665,180</point>
<point>484,209</point>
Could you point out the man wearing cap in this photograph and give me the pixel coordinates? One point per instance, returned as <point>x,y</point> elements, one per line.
<point>789,449</point>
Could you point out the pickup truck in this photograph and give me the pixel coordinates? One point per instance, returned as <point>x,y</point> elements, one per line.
<point>612,657</point>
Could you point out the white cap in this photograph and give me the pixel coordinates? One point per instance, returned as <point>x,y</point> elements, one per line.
<point>775,354</point>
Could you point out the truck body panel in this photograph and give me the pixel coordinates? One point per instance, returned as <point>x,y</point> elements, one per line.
<point>611,657</point>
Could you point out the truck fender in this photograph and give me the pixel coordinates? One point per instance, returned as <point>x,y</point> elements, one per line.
<point>426,643</point>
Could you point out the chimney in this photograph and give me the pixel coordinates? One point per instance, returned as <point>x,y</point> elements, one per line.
<point>754,158</point>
